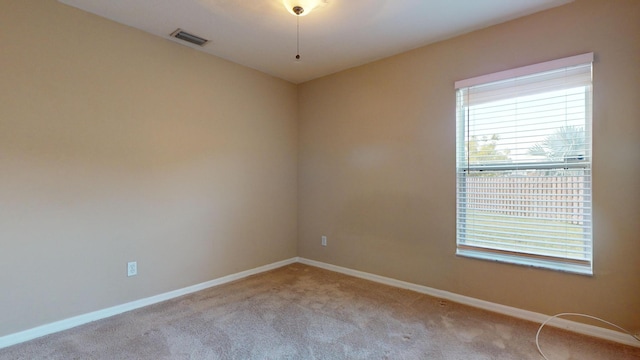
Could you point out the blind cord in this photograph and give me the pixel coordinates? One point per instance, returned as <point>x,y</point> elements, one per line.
<point>468,130</point>
<point>637,337</point>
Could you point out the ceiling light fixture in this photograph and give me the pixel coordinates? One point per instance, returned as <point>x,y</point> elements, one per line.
<point>300,8</point>
<point>306,5</point>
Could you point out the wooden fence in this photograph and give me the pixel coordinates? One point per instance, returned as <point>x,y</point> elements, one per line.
<point>549,197</point>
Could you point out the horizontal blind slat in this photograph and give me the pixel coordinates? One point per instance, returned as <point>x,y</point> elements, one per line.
<point>516,247</point>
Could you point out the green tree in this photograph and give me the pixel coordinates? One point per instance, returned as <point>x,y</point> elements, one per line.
<point>484,150</point>
<point>567,143</point>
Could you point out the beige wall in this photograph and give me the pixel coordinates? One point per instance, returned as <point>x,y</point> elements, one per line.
<point>377,163</point>
<point>116,145</point>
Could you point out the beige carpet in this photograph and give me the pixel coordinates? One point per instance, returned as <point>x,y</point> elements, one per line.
<point>302,312</point>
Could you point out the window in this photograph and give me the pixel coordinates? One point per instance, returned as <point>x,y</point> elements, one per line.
<point>524,165</point>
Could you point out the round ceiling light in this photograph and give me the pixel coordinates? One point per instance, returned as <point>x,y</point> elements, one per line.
<point>294,6</point>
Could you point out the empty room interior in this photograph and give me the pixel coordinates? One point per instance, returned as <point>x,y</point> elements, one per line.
<point>140,172</point>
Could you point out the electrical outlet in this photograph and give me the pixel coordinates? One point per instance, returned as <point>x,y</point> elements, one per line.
<point>132,268</point>
<point>324,240</point>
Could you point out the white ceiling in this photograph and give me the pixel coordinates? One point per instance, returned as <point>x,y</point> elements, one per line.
<point>337,35</point>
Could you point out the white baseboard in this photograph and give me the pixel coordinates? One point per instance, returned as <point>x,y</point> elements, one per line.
<point>69,323</point>
<point>65,324</point>
<point>573,326</point>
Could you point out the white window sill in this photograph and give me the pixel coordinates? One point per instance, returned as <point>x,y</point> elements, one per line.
<point>519,260</point>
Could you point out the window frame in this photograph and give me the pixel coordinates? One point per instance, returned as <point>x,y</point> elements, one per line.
<point>566,264</point>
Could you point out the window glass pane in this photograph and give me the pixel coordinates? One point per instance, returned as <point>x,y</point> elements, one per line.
<point>524,171</point>
<point>540,212</point>
<point>542,127</point>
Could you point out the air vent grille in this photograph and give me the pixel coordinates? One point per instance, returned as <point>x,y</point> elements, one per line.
<point>185,36</point>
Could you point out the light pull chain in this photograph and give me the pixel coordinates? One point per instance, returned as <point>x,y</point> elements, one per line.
<point>298,38</point>
<point>298,10</point>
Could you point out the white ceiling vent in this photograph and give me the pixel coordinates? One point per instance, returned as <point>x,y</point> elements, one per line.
<point>185,36</point>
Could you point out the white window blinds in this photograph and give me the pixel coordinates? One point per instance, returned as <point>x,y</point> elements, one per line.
<point>524,165</point>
